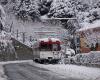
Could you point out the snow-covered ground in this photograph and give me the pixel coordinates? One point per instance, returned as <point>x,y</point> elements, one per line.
<point>67,71</point>
<point>2,74</point>
<point>73,71</point>
<point>86,26</point>
<point>17,61</point>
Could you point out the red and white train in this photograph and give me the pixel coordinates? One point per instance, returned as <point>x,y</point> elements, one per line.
<point>47,50</point>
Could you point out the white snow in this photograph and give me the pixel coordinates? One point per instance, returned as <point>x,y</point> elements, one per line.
<point>47,39</point>
<point>2,74</point>
<point>44,17</point>
<point>17,61</point>
<point>73,71</point>
<point>54,39</point>
<point>44,39</point>
<point>91,57</point>
<point>5,38</point>
<point>91,36</point>
<point>86,25</point>
<point>67,71</point>
<point>2,15</point>
<point>70,51</point>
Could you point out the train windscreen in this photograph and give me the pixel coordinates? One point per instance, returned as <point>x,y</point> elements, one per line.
<point>49,47</point>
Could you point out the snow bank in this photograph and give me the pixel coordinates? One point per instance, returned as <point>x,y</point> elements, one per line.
<point>2,76</point>
<point>17,61</point>
<point>73,71</point>
<point>44,17</point>
<point>91,57</point>
<point>70,51</point>
<point>67,71</point>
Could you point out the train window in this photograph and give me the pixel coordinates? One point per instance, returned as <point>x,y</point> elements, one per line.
<point>45,47</point>
<point>56,47</point>
<point>49,47</point>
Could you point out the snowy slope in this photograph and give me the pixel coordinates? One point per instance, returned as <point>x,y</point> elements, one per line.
<point>73,71</point>
<point>86,26</point>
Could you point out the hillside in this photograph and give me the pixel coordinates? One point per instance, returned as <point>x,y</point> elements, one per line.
<point>25,15</point>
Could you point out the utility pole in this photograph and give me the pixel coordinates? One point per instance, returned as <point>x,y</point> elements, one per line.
<point>23,36</point>
<point>17,32</point>
<point>30,38</point>
<point>11,27</point>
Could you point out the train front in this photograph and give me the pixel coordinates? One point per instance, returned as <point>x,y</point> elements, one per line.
<point>50,49</point>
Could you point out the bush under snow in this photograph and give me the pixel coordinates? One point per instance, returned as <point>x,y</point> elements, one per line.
<point>91,57</point>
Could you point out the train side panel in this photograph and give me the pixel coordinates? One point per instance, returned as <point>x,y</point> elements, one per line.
<point>36,53</point>
<point>50,54</point>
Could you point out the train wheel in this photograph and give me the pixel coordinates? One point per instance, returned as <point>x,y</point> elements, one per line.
<point>44,61</point>
<point>36,60</point>
<point>41,61</point>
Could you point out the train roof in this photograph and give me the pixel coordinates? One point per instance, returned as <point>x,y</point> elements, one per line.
<point>49,39</point>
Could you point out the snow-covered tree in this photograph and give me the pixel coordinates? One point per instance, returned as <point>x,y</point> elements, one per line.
<point>91,12</point>
<point>26,9</point>
<point>61,8</point>
<point>68,9</point>
<point>2,17</point>
<point>6,47</point>
<point>4,2</point>
<point>44,6</point>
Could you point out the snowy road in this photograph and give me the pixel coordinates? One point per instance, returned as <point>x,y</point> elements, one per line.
<point>29,70</point>
<point>24,71</point>
<point>73,71</point>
